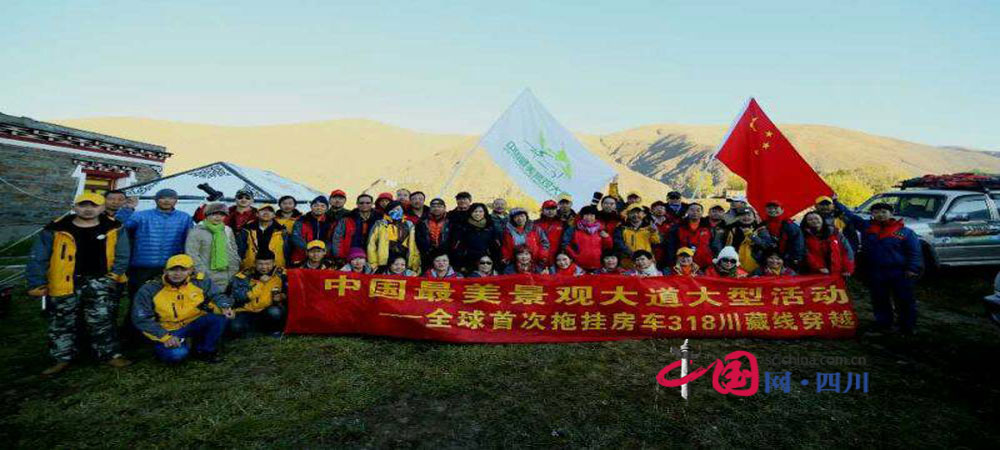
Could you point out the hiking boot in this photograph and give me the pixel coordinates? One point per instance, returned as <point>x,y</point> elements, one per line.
<point>118,362</point>
<point>208,357</point>
<point>55,369</point>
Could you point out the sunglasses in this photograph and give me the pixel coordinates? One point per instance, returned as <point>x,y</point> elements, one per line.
<point>486,263</point>
<point>247,197</point>
<point>728,260</point>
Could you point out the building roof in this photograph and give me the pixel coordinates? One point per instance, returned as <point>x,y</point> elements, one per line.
<point>228,178</point>
<point>30,130</point>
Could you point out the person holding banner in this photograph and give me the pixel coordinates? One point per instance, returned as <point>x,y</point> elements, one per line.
<point>645,265</point>
<point>524,263</point>
<point>609,264</point>
<point>398,267</point>
<point>441,266</point>
<point>685,265</point>
<point>565,266</point>
<point>726,265</point>
<point>357,262</point>
<point>484,268</point>
<point>774,266</point>
<point>586,241</point>
<point>315,257</point>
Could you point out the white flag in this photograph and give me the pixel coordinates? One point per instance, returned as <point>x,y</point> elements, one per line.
<point>542,157</point>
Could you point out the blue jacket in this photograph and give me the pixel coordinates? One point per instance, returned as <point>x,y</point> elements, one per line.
<point>156,236</point>
<point>124,214</point>
<point>889,247</point>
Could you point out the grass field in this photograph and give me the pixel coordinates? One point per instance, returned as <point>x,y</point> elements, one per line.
<point>931,390</point>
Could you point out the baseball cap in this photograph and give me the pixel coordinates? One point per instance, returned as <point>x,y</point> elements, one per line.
<point>685,251</point>
<point>91,197</point>
<point>338,193</point>
<point>316,244</point>
<point>823,199</point>
<point>549,204</point>
<point>180,260</point>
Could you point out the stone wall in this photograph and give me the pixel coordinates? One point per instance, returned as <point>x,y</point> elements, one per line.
<point>46,174</point>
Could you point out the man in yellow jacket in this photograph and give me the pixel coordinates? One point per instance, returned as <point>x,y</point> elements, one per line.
<point>637,233</point>
<point>393,236</point>
<point>179,308</point>
<point>258,297</point>
<point>78,263</point>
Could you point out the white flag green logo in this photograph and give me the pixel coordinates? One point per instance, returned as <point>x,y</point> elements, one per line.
<point>542,156</point>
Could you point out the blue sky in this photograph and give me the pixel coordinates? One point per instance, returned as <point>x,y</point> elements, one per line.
<point>922,71</point>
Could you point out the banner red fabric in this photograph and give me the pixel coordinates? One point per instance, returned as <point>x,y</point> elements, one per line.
<point>759,153</point>
<point>534,308</point>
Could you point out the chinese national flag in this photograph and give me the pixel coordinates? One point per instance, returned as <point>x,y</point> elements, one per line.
<point>757,151</point>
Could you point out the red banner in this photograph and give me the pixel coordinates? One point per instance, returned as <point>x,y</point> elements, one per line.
<point>526,308</point>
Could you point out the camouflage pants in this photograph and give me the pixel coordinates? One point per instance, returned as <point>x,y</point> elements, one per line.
<point>97,298</point>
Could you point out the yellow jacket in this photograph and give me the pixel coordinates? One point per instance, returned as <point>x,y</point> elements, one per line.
<point>253,295</point>
<point>161,307</point>
<point>248,242</point>
<point>382,235</point>
<point>53,257</point>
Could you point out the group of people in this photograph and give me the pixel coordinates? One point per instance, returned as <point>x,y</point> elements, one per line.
<point>194,279</point>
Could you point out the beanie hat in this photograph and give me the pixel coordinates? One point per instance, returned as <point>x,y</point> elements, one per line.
<point>215,208</point>
<point>728,252</point>
<point>166,193</point>
<point>356,252</point>
<point>320,199</point>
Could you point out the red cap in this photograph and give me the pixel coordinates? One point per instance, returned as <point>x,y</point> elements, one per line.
<point>549,204</point>
<point>338,193</point>
<point>384,195</point>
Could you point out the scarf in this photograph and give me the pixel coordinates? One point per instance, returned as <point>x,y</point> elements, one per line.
<point>219,259</point>
<point>519,236</point>
<point>689,270</point>
<point>776,273</point>
<point>481,223</point>
<point>589,228</point>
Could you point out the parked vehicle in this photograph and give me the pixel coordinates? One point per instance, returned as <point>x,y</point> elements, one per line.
<point>958,225</point>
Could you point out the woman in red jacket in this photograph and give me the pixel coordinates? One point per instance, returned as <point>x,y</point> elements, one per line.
<point>587,240</point>
<point>553,227</point>
<point>565,266</point>
<point>521,232</point>
<point>826,248</point>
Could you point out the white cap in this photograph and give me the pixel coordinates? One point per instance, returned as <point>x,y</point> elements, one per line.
<point>728,252</point>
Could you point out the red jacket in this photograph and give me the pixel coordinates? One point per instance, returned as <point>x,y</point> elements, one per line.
<point>553,229</point>
<point>533,239</point>
<point>306,229</point>
<point>586,248</point>
<point>827,252</point>
<point>694,235</point>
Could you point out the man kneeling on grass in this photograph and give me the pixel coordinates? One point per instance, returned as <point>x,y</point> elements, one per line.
<point>258,294</point>
<point>180,308</point>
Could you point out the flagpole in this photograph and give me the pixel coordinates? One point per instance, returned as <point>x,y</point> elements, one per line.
<point>465,158</point>
<point>731,128</point>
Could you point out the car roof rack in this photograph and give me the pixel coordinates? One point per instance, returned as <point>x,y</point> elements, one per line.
<point>956,181</point>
